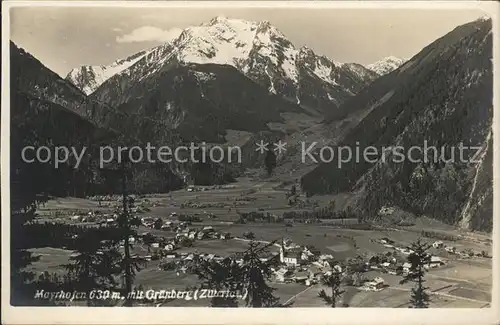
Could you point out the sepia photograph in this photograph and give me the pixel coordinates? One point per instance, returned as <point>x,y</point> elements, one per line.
<point>231,155</point>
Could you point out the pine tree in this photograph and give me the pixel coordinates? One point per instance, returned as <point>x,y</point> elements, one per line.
<point>27,191</point>
<point>95,264</point>
<point>126,224</point>
<point>223,275</point>
<point>125,229</point>
<point>333,280</point>
<point>254,274</point>
<point>418,259</point>
<point>270,162</point>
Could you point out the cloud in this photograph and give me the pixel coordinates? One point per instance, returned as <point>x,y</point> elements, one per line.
<point>117,29</point>
<point>148,34</point>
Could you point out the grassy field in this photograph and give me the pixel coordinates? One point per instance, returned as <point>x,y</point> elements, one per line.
<point>461,283</point>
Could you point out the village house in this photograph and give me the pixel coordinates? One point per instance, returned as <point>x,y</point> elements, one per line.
<point>376,284</point>
<point>450,249</point>
<point>337,268</point>
<point>406,251</point>
<point>301,276</point>
<point>283,275</point>
<point>171,255</point>
<point>437,244</point>
<point>327,264</point>
<point>406,268</point>
<point>315,273</point>
<point>435,261</point>
<point>325,257</point>
<point>169,247</point>
<point>290,257</point>
<point>395,269</point>
<point>192,234</point>
<point>312,250</point>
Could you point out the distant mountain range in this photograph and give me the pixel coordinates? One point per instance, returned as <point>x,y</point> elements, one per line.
<point>386,65</point>
<point>256,49</point>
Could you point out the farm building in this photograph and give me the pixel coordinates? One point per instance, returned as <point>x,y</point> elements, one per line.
<point>301,276</point>
<point>437,244</point>
<point>283,275</point>
<point>450,249</point>
<point>291,257</point>
<point>169,247</point>
<point>406,268</point>
<point>375,285</point>
<point>435,261</point>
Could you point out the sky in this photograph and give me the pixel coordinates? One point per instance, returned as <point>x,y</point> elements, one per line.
<point>63,38</point>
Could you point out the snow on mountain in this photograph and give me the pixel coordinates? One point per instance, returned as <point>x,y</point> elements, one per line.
<point>88,78</point>
<point>361,71</point>
<point>386,65</point>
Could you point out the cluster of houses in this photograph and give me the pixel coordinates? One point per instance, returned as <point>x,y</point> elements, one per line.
<point>306,265</point>
<point>395,266</point>
<point>184,236</point>
<point>192,188</point>
<point>94,217</point>
<point>438,245</point>
<point>183,229</point>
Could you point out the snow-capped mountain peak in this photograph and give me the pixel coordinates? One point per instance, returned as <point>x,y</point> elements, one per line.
<point>386,65</point>
<point>257,49</point>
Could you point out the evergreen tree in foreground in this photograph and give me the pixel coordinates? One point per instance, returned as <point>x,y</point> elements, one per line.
<point>249,277</point>
<point>95,264</point>
<point>221,275</point>
<point>270,162</point>
<point>418,259</point>
<point>27,188</point>
<point>130,263</point>
<point>332,280</point>
<point>254,275</point>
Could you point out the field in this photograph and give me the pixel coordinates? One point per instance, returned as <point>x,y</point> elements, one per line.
<point>459,283</point>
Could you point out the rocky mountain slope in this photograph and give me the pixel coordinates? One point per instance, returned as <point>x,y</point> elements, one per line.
<point>442,97</point>
<point>30,76</point>
<point>257,49</point>
<point>47,110</point>
<point>386,65</point>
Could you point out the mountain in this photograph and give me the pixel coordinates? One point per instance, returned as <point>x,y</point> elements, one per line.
<point>89,78</point>
<point>48,110</point>
<point>441,97</point>
<point>30,76</point>
<point>361,71</point>
<point>386,65</point>
<point>199,103</point>
<point>256,49</point>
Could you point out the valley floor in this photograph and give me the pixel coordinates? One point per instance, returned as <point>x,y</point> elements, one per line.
<point>461,282</point>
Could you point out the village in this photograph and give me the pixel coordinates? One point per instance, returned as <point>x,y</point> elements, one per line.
<point>175,239</point>
<point>303,264</point>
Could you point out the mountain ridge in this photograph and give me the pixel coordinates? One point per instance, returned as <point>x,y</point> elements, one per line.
<point>258,50</point>
<point>443,95</point>
<point>386,65</point>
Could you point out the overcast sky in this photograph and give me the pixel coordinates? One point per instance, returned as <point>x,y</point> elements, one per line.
<point>63,38</point>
